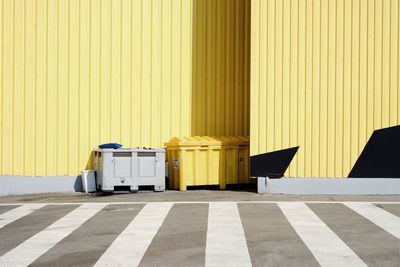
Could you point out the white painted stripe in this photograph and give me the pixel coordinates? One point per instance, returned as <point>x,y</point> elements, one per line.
<point>204,202</point>
<point>130,246</point>
<point>34,247</point>
<point>226,242</point>
<point>385,220</point>
<point>324,244</point>
<point>17,213</point>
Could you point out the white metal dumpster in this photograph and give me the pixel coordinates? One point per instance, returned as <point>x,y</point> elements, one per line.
<point>131,167</point>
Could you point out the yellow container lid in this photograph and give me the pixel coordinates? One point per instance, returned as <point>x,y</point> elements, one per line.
<point>234,140</point>
<point>207,141</point>
<point>193,141</point>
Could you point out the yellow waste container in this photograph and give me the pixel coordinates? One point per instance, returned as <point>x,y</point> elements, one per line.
<point>207,160</point>
<point>241,143</point>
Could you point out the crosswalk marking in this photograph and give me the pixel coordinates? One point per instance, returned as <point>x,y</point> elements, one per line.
<point>226,242</point>
<point>129,247</point>
<point>34,247</point>
<point>323,243</point>
<point>385,220</point>
<point>17,213</point>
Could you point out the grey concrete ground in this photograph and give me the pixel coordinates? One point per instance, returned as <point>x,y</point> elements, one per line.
<point>181,240</point>
<point>192,195</point>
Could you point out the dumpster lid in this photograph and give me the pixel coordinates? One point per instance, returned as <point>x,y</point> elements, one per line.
<point>207,141</point>
<point>234,140</point>
<point>193,141</point>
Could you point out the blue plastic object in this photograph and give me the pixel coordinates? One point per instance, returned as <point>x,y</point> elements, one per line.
<point>110,145</point>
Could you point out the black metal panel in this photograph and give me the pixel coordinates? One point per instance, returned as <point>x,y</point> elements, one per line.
<point>272,164</point>
<point>380,157</point>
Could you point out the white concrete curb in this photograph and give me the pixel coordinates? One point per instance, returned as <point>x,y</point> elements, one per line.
<point>19,185</point>
<point>329,186</point>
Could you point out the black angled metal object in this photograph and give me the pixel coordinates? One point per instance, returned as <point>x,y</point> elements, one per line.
<point>272,164</point>
<point>380,157</point>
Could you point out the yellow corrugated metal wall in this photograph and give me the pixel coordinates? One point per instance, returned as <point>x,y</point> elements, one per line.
<point>221,67</point>
<point>324,75</point>
<point>78,73</point>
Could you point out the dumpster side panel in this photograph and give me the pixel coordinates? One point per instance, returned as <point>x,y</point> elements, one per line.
<point>200,167</point>
<point>231,165</point>
<point>213,166</point>
<point>244,160</point>
<point>174,156</point>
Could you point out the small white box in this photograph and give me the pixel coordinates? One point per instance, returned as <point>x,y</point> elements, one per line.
<point>88,181</point>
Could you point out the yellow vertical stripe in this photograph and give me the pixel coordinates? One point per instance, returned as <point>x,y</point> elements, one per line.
<point>1,84</point>
<point>63,84</point>
<point>357,107</point>
<point>7,93</point>
<point>94,73</point>
<point>126,79</point>
<point>19,86</point>
<point>386,18</point>
<point>136,64</point>
<point>52,85</point>
<point>41,86</point>
<point>286,81</point>
<point>74,86</point>
<point>84,83</point>
<point>394,44</point>
<point>166,59</point>
<point>323,83</point>
<point>350,62</point>
<point>115,70</point>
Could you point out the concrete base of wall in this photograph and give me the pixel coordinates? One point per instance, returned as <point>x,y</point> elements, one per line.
<point>19,185</point>
<point>329,186</point>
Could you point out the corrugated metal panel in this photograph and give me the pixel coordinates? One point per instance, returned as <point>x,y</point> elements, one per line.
<point>78,73</point>
<point>221,57</point>
<point>324,75</point>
